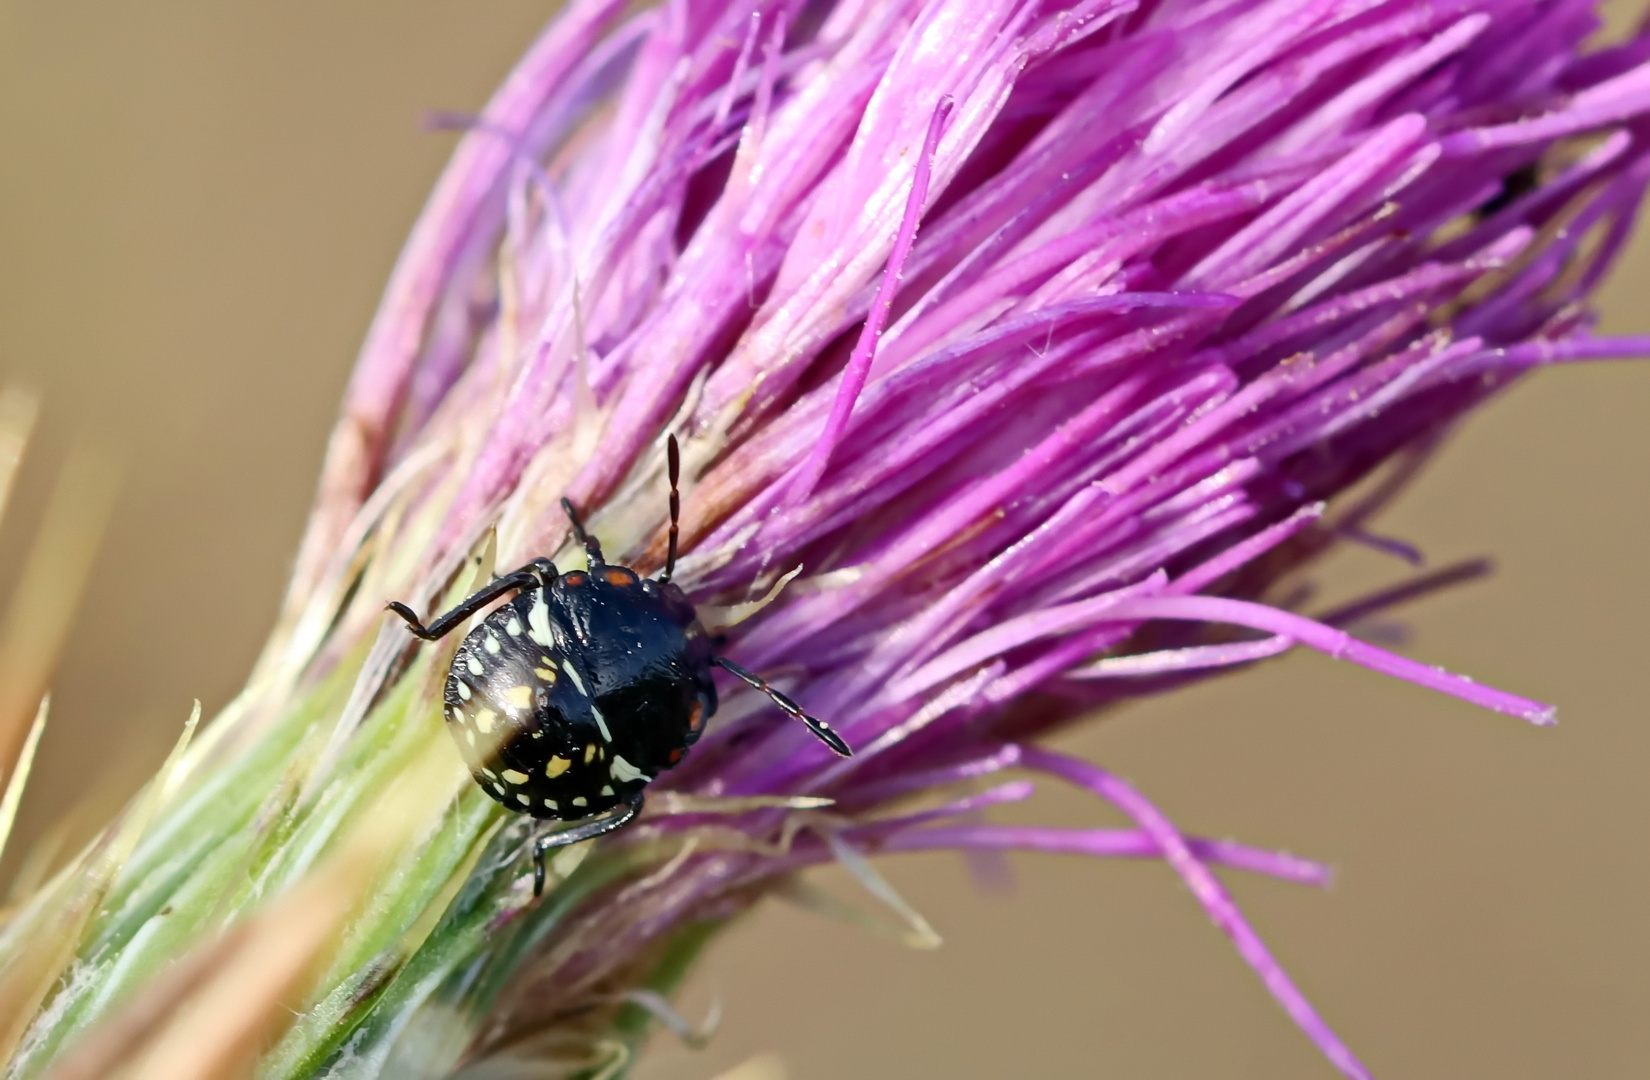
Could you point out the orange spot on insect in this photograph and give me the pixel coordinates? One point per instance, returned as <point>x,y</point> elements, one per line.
<point>618,575</point>
<point>575,578</point>
<point>697,716</point>
<point>676,755</point>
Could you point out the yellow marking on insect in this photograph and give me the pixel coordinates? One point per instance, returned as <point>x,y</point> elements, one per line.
<point>589,752</point>
<point>523,800</point>
<point>607,789</point>
<point>518,697</point>
<point>463,692</point>
<point>494,645</point>
<point>474,666</point>
<point>556,766</point>
<point>514,776</point>
<point>484,720</point>
<point>513,627</point>
<point>545,675</point>
<point>550,804</point>
<point>489,774</point>
<point>580,800</point>
<point>470,737</point>
<point>601,721</point>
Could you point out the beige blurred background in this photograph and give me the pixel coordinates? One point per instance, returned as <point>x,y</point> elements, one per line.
<point>199,203</point>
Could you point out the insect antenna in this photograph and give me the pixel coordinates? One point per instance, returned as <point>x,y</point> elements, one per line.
<point>673,458</point>
<point>821,730</point>
<point>592,546</point>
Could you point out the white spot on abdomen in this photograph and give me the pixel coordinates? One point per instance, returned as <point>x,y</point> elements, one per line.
<point>538,621</point>
<point>624,772</point>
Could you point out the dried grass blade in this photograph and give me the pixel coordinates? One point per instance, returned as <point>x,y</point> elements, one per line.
<point>54,575</point>
<point>18,409</point>
<point>19,778</point>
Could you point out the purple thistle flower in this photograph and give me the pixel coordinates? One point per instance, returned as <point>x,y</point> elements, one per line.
<point>1017,351</point>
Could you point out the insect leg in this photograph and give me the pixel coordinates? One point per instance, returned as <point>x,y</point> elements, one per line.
<point>616,818</point>
<point>592,548</point>
<point>544,568</point>
<point>673,457</point>
<point>522,579</point>
<point>822,731</point>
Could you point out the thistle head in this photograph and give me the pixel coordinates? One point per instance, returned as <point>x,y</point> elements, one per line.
<point>1016,352</point>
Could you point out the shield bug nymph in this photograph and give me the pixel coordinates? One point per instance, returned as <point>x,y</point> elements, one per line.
<point>569,698</point>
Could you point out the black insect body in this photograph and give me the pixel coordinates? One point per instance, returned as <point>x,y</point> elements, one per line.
<point>567,700</point>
